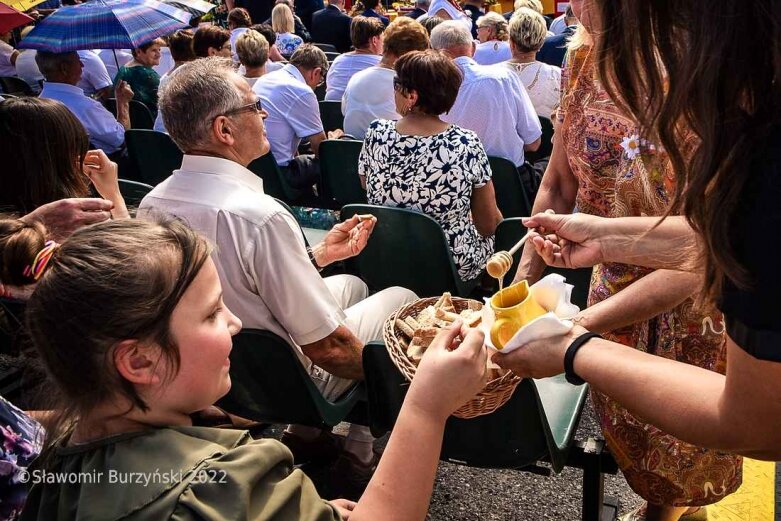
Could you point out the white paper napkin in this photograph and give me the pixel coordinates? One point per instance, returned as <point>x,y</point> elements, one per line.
<point>553,294</point>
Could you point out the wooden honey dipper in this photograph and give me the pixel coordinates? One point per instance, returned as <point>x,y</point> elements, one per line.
<point>501,262</point>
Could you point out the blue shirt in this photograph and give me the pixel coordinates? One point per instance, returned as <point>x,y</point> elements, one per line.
<point>105,132</point>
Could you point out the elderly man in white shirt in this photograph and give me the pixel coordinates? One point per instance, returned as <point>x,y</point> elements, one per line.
<point>62,73</point>
<point>270,279</point>
<point>492,101</point>
<point>289,98</point>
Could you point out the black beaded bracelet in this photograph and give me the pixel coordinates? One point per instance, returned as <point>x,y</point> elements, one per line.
<point>569,357</point>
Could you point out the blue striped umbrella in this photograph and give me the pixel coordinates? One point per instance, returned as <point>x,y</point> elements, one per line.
<point>105,24</point>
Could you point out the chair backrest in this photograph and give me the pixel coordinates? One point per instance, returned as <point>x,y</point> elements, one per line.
<point>511,196</point>
<point>140,115</point>
<point>546,142</point>
<point>326,47</point>
<point>133,191</point>
<point>14,85</point>
<point>331,115</point>
<point>511,230</point>
<point>269,384</point>
<point>339,171</point>
<point>17,86</point>
<point>331,55</point>
<point>153,155</point>
<point>537,423</point>
<point>267,169</point>
<point>320,92</point>
<point>408,249</point>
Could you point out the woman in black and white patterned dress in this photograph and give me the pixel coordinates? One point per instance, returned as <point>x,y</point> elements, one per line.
<point>424,164</point>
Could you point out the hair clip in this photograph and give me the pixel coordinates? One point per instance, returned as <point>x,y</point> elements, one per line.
<point>38,266</point>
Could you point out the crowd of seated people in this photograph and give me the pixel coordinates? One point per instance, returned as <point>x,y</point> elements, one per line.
<point>331,25</point>
<point>132,318</point>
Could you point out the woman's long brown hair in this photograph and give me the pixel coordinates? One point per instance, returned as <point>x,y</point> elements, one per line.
<point>683,67</point>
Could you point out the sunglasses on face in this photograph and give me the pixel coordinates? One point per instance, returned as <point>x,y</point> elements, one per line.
<point>255,106</point>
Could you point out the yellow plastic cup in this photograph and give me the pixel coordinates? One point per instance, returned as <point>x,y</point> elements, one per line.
<point>513,307</point>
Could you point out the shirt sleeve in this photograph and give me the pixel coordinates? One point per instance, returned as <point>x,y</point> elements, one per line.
<point>255,481</point>
<point>288,283</point>
<point>528,126</point>
<point>95,72</point>
<point>104,129</point>
<point>304,116</point>
<point>751,313</point>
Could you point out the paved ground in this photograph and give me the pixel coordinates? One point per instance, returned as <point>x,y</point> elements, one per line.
<point>466,494</point>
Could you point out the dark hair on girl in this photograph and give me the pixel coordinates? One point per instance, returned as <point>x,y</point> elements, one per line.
<point>109,282</point>
<point>680,69</point>
<point>43,148</point>
<point>239,17</point>
<point>433,75</point>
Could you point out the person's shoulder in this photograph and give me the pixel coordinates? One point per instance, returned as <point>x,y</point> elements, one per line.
<point>463,134</point>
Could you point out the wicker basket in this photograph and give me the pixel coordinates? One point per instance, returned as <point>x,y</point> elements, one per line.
<point>494,394</point>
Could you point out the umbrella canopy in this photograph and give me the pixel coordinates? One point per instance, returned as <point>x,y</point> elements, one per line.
<point>194,7</point>
<point>22,5</point>
<point>105,24</point>
<point>10,18</point>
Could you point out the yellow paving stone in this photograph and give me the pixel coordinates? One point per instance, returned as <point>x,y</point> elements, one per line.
<point>754,500</point>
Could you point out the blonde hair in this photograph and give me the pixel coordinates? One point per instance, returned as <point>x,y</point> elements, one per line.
<point>282,19</point>
<point>581,38</point>
<point>497,22</point>
<point>404,35</point>
<point>252,49</point>
<point>527,30</point>
<point>534,5</point>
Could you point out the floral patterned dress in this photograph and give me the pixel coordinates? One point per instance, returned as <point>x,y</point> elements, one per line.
<point>434,175</point>
<point>621,175</point>
<point>22,439</point>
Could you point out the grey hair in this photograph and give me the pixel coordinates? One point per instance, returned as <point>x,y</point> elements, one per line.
<point>308,57</point>
<point>449,34</point>
<point>196,93</point>
<point>49,63</point>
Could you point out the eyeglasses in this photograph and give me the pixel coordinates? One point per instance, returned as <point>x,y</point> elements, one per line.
<point>254,106</point>
<point>322,77</point>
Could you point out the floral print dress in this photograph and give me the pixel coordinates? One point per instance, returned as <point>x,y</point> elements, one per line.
<point>435,175</point>
<point>621,175</point>
<point>287,43</point>
<point>22,439</point>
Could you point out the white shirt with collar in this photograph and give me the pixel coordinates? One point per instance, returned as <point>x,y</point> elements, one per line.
<point>494,104</point>
<point>344,67</point>
<point>293,111</point>
<point>105,132</point>
<point>94,75</point>
<point>267,278</point>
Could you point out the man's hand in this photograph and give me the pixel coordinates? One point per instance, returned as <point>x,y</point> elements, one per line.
<point>345,240</point>
<point>65,216</point>
<point>570,241</point>
<point>335,134</point>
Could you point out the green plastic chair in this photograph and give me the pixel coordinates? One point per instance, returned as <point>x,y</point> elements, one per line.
<point>331,56</point>
<point>331,115</point>
<point>339,172</point>
<point>133,191</point>
<point>510,232</point>
<point>15,86</point>
<point>326,47</point>
<point>140,115</point>
<point>537,424</point>
<point>267,169</point>
<point>269,384</point>
<point>511,196</point>
<point>153,155</point>
<point>546,142</point>
<point>320,92</point>
<point>408,249</point>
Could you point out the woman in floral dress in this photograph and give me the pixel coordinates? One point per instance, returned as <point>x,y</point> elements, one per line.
<point>422,163</point>
<point>611,172</point>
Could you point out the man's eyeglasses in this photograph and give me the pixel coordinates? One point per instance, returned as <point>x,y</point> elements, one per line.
<point>255,106</point>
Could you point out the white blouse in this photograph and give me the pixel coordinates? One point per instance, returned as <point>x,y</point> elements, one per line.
<point>542,82</point>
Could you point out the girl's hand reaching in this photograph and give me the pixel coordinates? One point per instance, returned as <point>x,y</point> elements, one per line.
<point>104,175</point>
